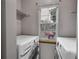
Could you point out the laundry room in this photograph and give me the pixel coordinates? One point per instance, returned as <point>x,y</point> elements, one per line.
<point>39,29</point>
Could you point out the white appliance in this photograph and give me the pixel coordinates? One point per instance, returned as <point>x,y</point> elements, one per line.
<point>66,48</point>
<point>26,45</point>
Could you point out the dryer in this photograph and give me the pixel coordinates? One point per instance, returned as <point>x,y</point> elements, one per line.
<point>25,46</point>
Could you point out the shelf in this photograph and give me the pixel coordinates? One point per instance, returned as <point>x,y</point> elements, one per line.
<point>48,41</point>
<point>20,14</point>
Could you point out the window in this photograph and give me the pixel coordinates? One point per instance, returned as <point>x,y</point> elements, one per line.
<point>48,22</point>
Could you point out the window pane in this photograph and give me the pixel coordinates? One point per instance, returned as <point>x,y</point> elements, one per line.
<point>47,22</point>
<point>44,11</point>
<point>44,17</point>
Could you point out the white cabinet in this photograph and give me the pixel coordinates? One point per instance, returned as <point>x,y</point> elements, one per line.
<point>67,17</point>
<point>47,51</point>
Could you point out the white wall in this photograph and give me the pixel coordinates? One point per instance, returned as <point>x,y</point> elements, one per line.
<point>18,27</point>
<point>9,29</point>
<point>67,18</point>
<point>30,24</point>
<point>19,7</point>
<point>19,4</point>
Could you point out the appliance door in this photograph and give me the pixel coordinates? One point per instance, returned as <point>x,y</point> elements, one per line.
<point>61,52</point>
<point>26,54</point>
<point>58,54</point>
<point>34,53</point>
<point>29,52</point>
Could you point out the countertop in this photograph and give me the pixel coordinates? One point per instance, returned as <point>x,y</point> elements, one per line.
<point>69,44</point>
<point>25,39</point>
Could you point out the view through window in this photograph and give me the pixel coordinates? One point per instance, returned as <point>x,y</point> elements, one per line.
<point>48,23</point>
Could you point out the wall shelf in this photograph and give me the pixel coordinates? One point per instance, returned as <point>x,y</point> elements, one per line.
<point>20,14</point>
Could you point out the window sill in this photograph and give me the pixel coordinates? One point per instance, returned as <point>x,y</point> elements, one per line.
<point>47,41</point>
